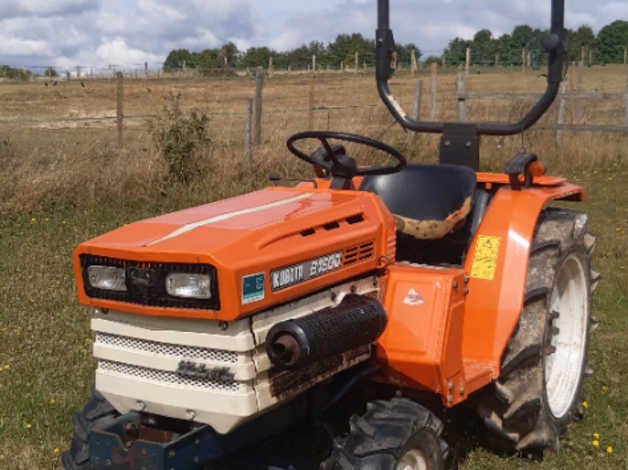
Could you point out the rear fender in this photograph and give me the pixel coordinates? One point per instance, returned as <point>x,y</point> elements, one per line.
<point>497,264</point>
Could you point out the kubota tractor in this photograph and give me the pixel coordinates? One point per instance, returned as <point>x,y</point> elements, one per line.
<point>358,293</point>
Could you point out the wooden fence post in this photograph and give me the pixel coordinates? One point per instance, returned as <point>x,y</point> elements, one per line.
<point>460,93</point>
<point>626,104</point>
<point>120,108</point>
<point>416,111</point>
<point>248,137</point>
<point>310,108</point>
<point>314,63</point>
<point>413,62</point>
<point>625,55</point>
<point>561,112</point>
<point>579,88</point>
<point>357,61</point>
<point>468,61</point>
<point>146,68</point>
<point>496,60</point>
<point>257,111</point>
<point>270,66</point>
<point>433,91</point>
<point>444,61</point>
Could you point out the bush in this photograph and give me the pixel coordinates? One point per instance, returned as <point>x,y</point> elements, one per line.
<point>14,74</point>
<point>182,140</point>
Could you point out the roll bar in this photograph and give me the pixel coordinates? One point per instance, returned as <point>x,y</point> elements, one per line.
<point>554,43</point>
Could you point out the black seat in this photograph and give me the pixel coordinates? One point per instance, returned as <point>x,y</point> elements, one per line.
<point>425,193</point>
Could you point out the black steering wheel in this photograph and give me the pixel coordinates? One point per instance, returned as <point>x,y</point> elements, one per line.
<point>334,160</point>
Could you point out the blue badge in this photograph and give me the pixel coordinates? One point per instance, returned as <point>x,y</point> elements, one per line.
<point>252,288</point>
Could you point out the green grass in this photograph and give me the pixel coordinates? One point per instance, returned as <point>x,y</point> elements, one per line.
<point>45,351</point>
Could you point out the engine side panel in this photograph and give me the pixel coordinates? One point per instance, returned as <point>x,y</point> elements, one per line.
<point>422,343</point>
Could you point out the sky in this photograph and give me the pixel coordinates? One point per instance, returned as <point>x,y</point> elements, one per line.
<point>127,33</point>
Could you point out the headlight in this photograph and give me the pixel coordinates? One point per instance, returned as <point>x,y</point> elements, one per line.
<point>107,278</point>
<point>189,286</point>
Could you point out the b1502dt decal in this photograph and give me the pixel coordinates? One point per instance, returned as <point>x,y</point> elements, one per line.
<point>310,269</point>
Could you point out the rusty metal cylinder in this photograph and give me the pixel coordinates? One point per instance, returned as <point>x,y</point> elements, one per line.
<point>357,321</point>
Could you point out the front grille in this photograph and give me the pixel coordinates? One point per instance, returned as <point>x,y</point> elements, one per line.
<point>164,349</point>
<point>162,377</point>
<point>145,282</point>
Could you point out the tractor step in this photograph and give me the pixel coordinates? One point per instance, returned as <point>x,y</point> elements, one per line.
<point>127,444</point>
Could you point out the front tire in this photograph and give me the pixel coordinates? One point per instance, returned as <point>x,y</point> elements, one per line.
<point>396,434</point>
<point>97,410</point>
<point>538,392</point>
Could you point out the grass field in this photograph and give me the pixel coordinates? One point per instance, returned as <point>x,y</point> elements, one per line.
<point>62,183</point>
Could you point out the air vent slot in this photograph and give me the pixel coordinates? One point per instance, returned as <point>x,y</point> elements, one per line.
<point>308,232</point>
<point>331,226</point>
<point>355,219</point>
<point>358,253</point>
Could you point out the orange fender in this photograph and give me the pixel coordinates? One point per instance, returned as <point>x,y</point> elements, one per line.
<point>497,264</point>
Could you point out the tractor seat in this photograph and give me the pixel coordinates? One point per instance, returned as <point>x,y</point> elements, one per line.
<point>427,201</point>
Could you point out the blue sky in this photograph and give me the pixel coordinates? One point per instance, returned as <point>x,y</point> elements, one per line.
<point>95,33</point>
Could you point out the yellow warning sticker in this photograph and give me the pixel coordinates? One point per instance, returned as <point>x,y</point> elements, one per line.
<point>485,260</point>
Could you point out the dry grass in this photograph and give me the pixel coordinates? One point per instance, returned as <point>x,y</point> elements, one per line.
<point>79,163</point>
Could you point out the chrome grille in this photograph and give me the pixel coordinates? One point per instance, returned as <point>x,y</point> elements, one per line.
<point>165,349</point>
<point>169,378</point>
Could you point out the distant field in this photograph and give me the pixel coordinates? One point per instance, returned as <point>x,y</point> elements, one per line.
<point>64,182</point>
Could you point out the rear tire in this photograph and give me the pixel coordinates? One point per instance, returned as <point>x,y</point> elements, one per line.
<point>396,434</point>
<point>538,392</point>
<point>97,410</point>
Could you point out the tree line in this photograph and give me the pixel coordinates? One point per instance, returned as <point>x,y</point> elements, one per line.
<point>332,55</point>
<point>606,48</point>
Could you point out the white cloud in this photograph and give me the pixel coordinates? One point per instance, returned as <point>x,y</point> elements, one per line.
<point>97,32</point>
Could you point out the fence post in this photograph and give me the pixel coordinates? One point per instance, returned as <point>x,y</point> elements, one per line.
<point>468,61</point>
<point>579,88</point>
<point>357,61</point>
<point>270,66</point>
<point>496,60</point>
<point>523,59</point>
<point>413,62</point>
<point>626,104</point>
<point>257,112</point>
<point>460,93</point>
<point>314,63</point>
<point>433,91</point>
<point>416,111</point>
<point>146,68</point>
<point>444,61</point>
<point>248,137</point>
<point>625,55</point>
<point>561,111</point>
<point>310,100</point>
<point>120,108</point>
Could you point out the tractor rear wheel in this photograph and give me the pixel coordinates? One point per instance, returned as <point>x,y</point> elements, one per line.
<point>396,434</point>
<point>97,410</point>
<point>538,392</point>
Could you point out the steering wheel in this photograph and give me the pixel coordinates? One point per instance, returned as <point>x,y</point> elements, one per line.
<point>334,159</point>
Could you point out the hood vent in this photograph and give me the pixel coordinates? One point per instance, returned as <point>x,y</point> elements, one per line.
<point>357,253</point>
<point>334,225</point>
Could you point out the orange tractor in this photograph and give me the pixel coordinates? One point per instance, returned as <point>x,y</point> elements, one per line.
<point>346,301</point>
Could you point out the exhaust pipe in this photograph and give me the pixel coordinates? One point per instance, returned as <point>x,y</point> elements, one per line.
<point>356,321</point>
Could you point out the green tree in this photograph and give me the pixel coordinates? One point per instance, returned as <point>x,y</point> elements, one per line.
<point>176,59</point>
<point>611,41</point>
<point>483,48</point>
<point>50,72</point>
<point>256,57</point>
<point>456,52</point>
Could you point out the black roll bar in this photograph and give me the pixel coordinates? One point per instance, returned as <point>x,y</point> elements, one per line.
<point>385,60</point>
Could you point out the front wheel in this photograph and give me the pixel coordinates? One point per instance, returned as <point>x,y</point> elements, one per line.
<point>396,434</point>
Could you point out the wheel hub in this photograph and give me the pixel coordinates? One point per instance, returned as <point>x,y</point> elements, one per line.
<point>564,367</point>
<point>412,460</point>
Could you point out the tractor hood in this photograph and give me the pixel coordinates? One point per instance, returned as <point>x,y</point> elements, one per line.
<point>261,249</point>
